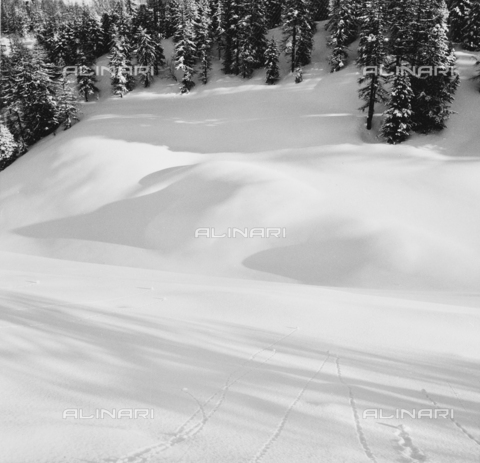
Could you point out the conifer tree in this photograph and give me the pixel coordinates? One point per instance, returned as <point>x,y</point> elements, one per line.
<point>67,103</point>
<point>297,32</point>
<point>230,13</point>
<point>371,58</point>
<point>159,55</point>
<point>471,31</point>
<point>252,33</point>
<point>121,66</point>
<point>8,147</point>
<point>86,81</point>
<point>398,117</point>
<point>204,38</point>
<point>342,27</point>
<point>35,96</point>
<point>271,63</point>
<point>146,51</point>
<point>458,18</point>
<point>435,91</point>
<point>172,13</point>
<point>185,48</point>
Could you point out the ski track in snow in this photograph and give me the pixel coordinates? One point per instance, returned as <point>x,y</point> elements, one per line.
<point>356,417</point>
<point>266,447</point>
<point>184,431</point>
<point>409,450</point>
<point>452,419</point>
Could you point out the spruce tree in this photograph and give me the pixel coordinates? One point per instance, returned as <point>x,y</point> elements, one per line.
<point>471,31</point>
<point>342,27</point>
<point>298,32</point>
<point>67,103</point>
<point>185,49</point>
<point>435,91</point>
<point>398,117</point>
<point>159,55</point>
<point>120,66</point>
<point>145,51</point>
<point>458,18</point>
<point>252,37</point>
<point>229,22</point>
<point>8,147</point>
<point>271,63</point>
<point>204,38</point>
<point>371,58</point>
<point>86,81</point>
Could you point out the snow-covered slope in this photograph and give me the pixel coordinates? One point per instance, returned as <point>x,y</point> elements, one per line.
<point>274,371</point>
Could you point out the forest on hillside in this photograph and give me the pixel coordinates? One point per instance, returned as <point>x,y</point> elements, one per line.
<point>37,95</point>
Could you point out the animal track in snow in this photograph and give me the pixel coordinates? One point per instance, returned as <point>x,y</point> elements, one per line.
<point>452,419</point>
<point>409,450</point>
<point>266,447</point>
<point>192,425</point>
<point>356,417</point>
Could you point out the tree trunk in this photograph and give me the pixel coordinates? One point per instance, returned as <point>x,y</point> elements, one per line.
<point>371,103</point>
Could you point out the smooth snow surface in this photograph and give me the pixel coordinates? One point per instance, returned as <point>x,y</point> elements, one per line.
<point>247,350</point>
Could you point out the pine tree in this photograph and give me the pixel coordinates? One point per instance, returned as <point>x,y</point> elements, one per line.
<point>402,16</point>
<point>457,19</point>
<point>67,103</point>
<point>121,66</point>
<point>342,27</point>
<point>8,147</point>
<point>271,63</point>
<point>298,75</point>
<point>230,12</point>
<point>397,123</point>
<point>297,32</point>
<point>252,33</point>
<point>185,48</point>
<point>86,81</point>
<point>170,25</point>
<point>89,35</point>
<point>204,38</point>
<point>371,58</point>
<point>471,32</point>
<point>146,51</point>
<point>159,56</point>
<point>35,95</point>
<point>435,91</point>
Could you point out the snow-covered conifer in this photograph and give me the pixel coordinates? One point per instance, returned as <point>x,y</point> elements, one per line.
<point>398,117</point>
<point>298,32</point>
<point>271,63</point>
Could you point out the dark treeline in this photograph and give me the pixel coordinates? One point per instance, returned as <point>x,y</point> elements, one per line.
<point>37,96</point>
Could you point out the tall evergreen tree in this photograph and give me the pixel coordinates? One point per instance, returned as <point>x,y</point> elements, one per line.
<point>185,48</point>
<point>471,31</point>
<point>204,38</point>
<point>86,81</point>
<point>271,63</point>
<point>297,32</point>
<point>435,91</point>
<point>8,147</point>
<point>458,18</point>
<point>121,66</point>
<point>342,27</point>
<point>398,117</point>
<point>146,55</point>
<point>252,37</point>
<point>371,58</point>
